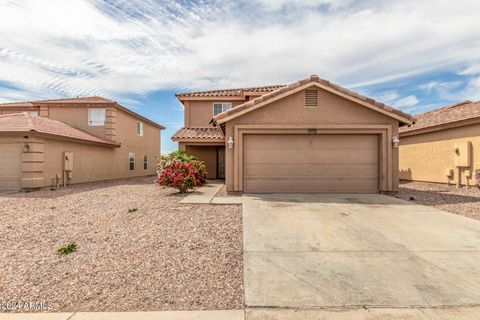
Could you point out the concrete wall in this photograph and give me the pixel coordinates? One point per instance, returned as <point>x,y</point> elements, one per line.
<point>332,111</point>
<point>426,157</point>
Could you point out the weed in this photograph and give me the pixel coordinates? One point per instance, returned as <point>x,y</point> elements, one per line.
<point>132,210</point>
<point>67,249</point>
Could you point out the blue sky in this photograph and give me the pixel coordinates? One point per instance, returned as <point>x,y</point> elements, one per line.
<point>413,55</point>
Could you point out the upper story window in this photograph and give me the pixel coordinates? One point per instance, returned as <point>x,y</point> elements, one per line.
<point>219,107</point>
<point>96,117</point>
<point>139,128</point>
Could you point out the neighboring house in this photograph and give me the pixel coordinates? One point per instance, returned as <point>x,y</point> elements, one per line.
<point>68,141</point>
<point>309,136</point>
<point>443,145</point>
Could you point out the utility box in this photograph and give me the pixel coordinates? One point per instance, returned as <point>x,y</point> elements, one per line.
<point>67,160</point>
<point>463,154</point>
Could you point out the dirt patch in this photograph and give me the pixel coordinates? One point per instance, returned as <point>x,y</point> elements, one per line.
<point>162,256</point>
<point>465,202</point>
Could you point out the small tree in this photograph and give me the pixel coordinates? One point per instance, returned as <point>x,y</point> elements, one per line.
<point>181,171</point>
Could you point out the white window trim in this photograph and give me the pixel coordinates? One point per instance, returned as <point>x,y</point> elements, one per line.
<point>142,128</point>
<point>229,104</point>
<point>145,162</point>
<point>96,123</point>
<point>130,154</point>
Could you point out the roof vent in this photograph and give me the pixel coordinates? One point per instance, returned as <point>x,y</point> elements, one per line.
<point>311,98</point>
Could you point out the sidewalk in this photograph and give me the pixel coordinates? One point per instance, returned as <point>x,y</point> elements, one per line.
<point>206,194</point>
<point>155,315</point>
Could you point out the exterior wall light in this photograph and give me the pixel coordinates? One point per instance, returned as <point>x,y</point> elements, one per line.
<point>395,141</point>
<point>26,147</point>
<point>230,142</point>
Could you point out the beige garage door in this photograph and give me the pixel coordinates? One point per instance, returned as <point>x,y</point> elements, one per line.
<point>311,163</point>
<point>10,166</point>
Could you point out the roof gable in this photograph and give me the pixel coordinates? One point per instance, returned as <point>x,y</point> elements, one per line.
<point>304,84</point>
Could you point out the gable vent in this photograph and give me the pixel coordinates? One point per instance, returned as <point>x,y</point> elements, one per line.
<point>311,98</point>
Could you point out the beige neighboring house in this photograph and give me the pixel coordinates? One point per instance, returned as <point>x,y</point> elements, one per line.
<point>308,136</point>
<point>67,141</point>
<point>443,145</point>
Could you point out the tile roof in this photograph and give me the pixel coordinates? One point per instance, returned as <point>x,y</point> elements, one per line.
<point>94,99</point>
<point>23,122</point>
<point>198,133</point>
<point>463,110</point>
<point>237,92</point>
<point>81,100</point>
<point>311,79</point>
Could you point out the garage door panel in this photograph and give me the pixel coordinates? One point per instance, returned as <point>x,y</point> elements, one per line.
<point>311,163</point>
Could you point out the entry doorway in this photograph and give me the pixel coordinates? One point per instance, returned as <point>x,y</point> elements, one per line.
<point>221,163</point>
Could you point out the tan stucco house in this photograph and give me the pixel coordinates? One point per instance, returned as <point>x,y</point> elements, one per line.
<point>66,141</point>
<point>443,145</point>
<point>308,136</point>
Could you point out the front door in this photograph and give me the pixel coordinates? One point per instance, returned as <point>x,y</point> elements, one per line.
<point>221,163</point>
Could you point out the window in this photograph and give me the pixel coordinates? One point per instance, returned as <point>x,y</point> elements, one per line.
<point>140,128</point>
<point>145,162</point>
<point>131,161</point>
<point>219,107</point>
<point>33,113</point>
<point>96,117</point>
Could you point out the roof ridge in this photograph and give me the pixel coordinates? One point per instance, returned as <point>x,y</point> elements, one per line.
<point>311,79</point>
<point>229,89</point>
<point>450,106</point>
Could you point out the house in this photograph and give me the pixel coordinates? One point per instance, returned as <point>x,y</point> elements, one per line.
<point>443,145</point>
<point>308,136</point>
<point>66,141</point>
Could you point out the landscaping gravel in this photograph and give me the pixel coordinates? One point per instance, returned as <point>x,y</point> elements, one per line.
<point>163,256</point>
<point>465,202</point>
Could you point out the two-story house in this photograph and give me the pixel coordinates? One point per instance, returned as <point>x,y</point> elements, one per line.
<point>308,136</point>
<point>66,141</point>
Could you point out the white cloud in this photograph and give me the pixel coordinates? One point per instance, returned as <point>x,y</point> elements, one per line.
<point>81,47</point>
<point>408,101</point>
<point>444,89</point>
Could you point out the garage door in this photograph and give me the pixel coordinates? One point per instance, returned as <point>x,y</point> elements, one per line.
<point>10,166</point>
<point>311,163</point>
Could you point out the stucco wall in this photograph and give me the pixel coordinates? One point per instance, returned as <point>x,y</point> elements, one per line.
<point>332,110</point>
<point>198,113</point>
<point>426,157</point>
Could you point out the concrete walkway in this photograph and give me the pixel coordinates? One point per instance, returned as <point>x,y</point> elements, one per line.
<point>206,194</point>
<point>156,315</point>
<point>354,251</point>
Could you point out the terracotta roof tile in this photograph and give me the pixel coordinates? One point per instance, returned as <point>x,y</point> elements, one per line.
<point>312,78</point>
<point>93,99</point>
<point>452,113</point>
<point>23,122</point>
<point>198,133</point>
<point>237,92</point>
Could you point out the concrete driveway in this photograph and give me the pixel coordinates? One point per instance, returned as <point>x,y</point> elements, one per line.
<point>310,251</point>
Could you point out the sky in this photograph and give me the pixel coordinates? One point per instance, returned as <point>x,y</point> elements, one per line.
<point>413,55</point>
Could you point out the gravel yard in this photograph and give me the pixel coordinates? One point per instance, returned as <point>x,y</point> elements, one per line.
<point>465,202</point>
<point>163,256</point>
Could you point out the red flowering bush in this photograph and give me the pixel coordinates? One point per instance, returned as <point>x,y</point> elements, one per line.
<point>183,175</point>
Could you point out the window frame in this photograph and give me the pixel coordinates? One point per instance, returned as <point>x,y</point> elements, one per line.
<point>140,126</point>
<point>92,123</point>
<point>223,107</point>
<point>131,161</point>
<point>145,162</point>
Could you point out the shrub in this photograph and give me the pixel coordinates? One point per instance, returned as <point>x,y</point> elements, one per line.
<point>183,175</point>
<point>67,249</point>
<point>130,210</point>
<point>176,156</point>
